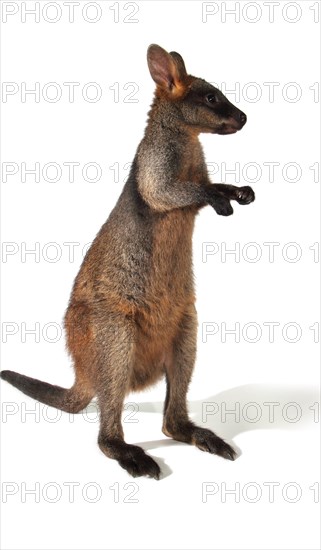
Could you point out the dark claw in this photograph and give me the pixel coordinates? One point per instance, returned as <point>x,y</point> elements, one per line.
<point>245,195</point>
<point>222,206</point>
<point>227,452</point>
<point>141,465</point>
<point>208,441</point>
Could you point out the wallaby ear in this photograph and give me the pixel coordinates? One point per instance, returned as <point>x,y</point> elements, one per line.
<point>166,70</point>
<point>179,64</point>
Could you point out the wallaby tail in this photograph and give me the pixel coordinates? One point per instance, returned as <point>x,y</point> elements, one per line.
<point>71,400</point>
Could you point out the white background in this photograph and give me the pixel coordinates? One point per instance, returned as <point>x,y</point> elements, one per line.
<point>48,447</point>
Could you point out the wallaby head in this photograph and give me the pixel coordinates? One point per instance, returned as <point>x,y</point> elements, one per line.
<point>193,102</point>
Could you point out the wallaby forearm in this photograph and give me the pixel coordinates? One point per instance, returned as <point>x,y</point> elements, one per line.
<point>180,194</point>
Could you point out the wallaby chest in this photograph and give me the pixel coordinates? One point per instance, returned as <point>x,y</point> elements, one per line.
<point>171,265</point>
<point>191,163</point>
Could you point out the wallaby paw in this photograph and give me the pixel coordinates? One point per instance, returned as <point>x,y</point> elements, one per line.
<point>140,464</point>
<point>222,206</point>
<point>245,195</point>
<point>209,442</point>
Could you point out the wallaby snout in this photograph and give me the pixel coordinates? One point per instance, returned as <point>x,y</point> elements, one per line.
<point>233,123</point>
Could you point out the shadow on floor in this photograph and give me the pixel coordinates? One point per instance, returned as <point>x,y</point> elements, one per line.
<point>241,409</point>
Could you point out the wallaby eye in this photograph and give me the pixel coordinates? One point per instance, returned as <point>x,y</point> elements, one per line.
<point>211,98</point>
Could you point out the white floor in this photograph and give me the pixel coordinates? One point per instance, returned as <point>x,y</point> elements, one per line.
<point>62,493</point>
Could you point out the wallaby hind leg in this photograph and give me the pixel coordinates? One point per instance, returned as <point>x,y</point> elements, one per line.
<point>178,374</point>
<point>111,438</point>
<point>114,377</point>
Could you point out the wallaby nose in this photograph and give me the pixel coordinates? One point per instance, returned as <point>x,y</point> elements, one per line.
<point>242,118</point>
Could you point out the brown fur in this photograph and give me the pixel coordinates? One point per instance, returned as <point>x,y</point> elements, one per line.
<point>131,318</point>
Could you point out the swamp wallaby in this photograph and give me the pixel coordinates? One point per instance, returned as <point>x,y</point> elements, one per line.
<point>131,318</point>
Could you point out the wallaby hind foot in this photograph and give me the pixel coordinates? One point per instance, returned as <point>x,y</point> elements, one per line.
<point>130,457</point>
<point>202,438</point>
